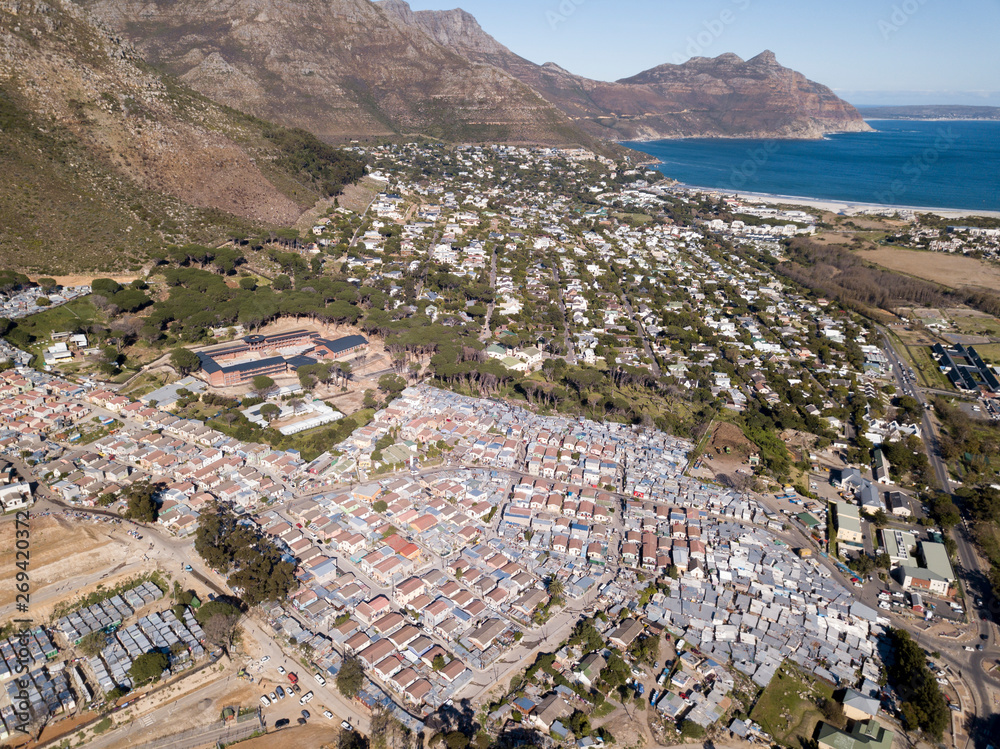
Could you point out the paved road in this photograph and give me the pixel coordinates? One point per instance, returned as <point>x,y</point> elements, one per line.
<point>642,334</point>
<point>567,338</point>
<point>973,569</point>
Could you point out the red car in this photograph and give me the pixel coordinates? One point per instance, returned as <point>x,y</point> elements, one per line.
<point>293,678</point>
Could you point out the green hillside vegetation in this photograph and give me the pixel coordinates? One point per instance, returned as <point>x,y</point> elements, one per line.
<point>86,188</point>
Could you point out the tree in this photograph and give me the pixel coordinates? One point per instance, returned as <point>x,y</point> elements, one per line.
<point>93,643</point>
<point>351,677</point>
<point>833,711</point>
<point>185,361</point>
<point>555,588</point>
<point>438,662</point>
<point>281,283</point>
<point>262,385</point>
<point>141,504</point>
<point>579,724</point>
<point>269,411</point>
<point>148,667</point>
<point>221,629</point>
<point>380,506</point>
<point>43,301</point>
<point>691,730</point>
<point>616,672</point>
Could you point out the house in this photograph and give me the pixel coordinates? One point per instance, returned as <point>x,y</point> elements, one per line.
<point>848,522</point>
<point>625,634</point>
<point>921,580</point>
<point>550,710</point>
<point>483,636</point>
<point>859,707</point>
<point>589,669</point>
<point>899,505</point>
<point>867,734</point>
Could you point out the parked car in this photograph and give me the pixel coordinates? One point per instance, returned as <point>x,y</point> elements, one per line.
<point>265,659</point>
<point>319,678</point>
<point>307,697</point>
<point>328,715</point>
<point>281,723</point>
<point>305,714</point>
<point>281,670</point>
<point>346,726</point>
<point>264,700</point>
<point>280,691</point>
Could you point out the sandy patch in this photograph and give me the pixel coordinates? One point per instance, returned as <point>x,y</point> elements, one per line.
<point>313,734</point>
<point>59,552</point>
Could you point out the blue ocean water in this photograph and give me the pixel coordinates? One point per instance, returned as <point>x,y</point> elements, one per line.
<point>927,164</point>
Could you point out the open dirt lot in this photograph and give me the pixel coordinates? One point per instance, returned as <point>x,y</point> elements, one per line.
<point>61,551</point>
<point>954,271</point>
<point>313,734</point>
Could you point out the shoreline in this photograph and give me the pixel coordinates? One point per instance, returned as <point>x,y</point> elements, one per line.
<point>848,207</point>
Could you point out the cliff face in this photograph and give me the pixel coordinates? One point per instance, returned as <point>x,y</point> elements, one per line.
<point>353,68</point>
<point>339,68</point>
<point>720,97</point>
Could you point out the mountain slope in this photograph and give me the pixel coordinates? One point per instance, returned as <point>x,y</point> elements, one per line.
<point>104,158</point>
<point>724,96</point>
<point>339,68</point>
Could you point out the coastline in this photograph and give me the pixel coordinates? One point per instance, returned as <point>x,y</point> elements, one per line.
<point>848,207</point>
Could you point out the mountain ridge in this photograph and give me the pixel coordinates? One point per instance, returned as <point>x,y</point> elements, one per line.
<point>660,102</point>
<point>348,69</point>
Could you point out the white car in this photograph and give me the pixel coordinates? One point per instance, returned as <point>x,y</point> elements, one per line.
<point>319,679</point>
<point>265,659</point>
<point>346,726</point>
<point>942,681</point>
<point>281,670</point>
<point>264,700</point>
<point>307,697</point>
<point>328,715</point>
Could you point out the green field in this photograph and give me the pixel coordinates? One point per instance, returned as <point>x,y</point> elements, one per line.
<point>989,351</point>
<point>986,326</point>
<point>927,368</point>
<point>790,719</point>
<point>68,316</point>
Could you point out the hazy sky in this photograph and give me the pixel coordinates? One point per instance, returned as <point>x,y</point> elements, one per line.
<point>868,51</point>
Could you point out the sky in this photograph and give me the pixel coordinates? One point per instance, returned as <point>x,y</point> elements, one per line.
<point>867,51</point>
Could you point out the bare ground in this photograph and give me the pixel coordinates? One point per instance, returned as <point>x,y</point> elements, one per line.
<point>954,271</point>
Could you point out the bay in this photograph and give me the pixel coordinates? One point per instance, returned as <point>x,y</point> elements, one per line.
<point>920,163</point>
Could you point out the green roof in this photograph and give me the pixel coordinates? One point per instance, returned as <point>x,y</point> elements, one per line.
<point>936,559</point>
<point>808,519</point>
<point>868,734</point>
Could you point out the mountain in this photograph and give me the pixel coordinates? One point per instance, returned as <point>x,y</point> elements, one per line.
<point>931,112</point>
<point>339,68</point>
<point>720,97</point>
<point>353,68</point>
<point>104,158</point>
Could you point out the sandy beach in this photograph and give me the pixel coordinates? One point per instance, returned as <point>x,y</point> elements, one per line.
<point>841,206</point>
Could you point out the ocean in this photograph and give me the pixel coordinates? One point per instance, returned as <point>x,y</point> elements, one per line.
<point>920,163</point>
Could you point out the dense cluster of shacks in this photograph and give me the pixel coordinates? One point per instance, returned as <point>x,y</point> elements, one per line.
<point>162,632</point>
<point>25,302</point>
<point>156,631</point>
<point>47,690</point>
